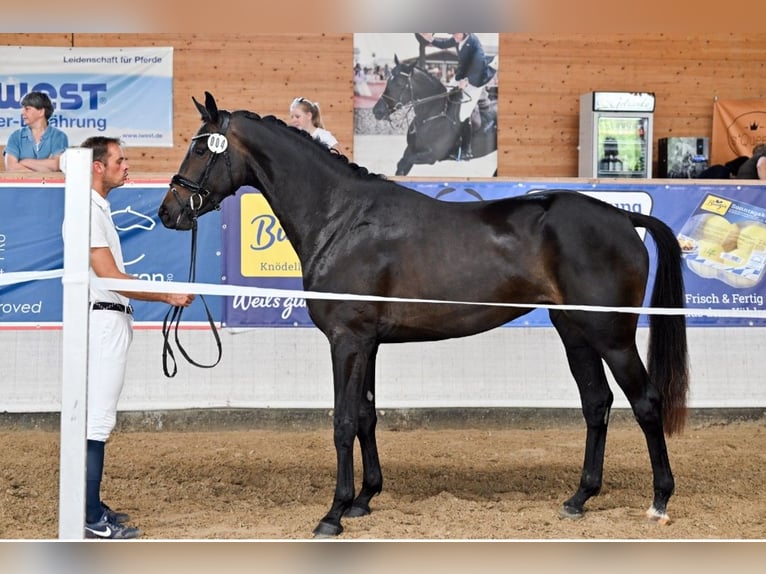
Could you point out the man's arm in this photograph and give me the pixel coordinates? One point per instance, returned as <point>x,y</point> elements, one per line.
<point>103,265</point>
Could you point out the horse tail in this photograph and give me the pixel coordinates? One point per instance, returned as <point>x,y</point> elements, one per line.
<point>668,355</point>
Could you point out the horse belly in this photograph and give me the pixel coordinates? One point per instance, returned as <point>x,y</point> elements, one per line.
<point>437,321</point>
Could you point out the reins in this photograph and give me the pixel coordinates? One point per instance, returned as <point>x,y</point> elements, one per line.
<point>174,315</point>
<point>218,145</point>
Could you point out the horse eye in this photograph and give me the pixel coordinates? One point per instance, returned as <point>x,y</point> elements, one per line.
<point>199,150</point>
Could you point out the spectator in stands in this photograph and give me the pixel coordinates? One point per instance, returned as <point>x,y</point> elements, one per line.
<point>306,115</point>
<point>36,146</point>
<point>755,167</point>
<point>472,74</point>
<point>109,335</point>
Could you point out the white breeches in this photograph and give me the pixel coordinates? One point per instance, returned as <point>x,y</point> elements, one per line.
<point>109,338</point>
<point>471,97</point>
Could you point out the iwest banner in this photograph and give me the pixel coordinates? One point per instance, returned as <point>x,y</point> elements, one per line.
<point>122,92</point>
<point>721,230</point>
<point>31,218</point>
<point>738,126</point>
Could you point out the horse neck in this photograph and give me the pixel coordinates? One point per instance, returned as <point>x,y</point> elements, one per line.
<point>294,177</point>
<point>426,86</point>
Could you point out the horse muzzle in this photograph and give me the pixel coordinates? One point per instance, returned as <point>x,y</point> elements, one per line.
<point>173,214</point>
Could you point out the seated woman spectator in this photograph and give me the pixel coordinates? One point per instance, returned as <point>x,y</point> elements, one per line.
<point>36,146</point>
<point>305,115</point>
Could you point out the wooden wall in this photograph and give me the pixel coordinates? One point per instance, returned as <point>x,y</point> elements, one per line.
<point>541,79</point>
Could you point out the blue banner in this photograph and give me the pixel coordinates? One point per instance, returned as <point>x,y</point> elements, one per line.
<point>31,220</point>
<point>721,229</point>
<point>120,92</point>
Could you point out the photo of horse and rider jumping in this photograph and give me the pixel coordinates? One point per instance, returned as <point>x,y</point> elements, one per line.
<point>425,104</point>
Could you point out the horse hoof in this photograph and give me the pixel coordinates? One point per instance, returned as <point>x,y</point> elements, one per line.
<point>357,511</point>
<point>570,513</point>
<point>327,530</point>
<point>657,517</point>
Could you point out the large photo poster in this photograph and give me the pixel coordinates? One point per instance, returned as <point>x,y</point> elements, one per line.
<point>122,92</point>
<point>425,104</point>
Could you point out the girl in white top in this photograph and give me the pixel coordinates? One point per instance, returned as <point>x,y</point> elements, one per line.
<point>305,115</point>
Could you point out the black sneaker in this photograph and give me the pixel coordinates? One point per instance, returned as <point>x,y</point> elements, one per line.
<point>109,530</point>
<point>116,517</point>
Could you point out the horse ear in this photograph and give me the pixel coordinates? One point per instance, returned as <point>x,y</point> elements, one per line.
<point>211,106</point>
<point>204,115</point>
<point>396,59</point>
<point>208,112</point>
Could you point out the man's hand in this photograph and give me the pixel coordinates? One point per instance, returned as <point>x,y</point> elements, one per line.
<point>180,299</point>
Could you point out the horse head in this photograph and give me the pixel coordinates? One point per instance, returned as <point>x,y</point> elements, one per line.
<point>398,91</point>
<point>208,173</point>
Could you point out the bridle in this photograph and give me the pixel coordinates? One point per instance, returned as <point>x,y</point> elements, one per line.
<point>414,102</point>
<point>397,103</point>
<point>218,146</point>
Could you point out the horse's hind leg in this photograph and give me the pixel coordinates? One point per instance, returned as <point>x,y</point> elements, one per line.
<point>596,398</point>
<point>372,482</point>
<point>646,402</point>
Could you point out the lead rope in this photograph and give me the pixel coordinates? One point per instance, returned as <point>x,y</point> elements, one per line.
<point>174,315</point>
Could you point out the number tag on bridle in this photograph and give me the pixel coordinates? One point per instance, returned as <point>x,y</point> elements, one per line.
<point>217,143</point>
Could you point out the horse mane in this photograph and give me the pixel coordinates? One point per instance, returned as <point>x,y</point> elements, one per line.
<point>433,79</point>
<point>358,170</point>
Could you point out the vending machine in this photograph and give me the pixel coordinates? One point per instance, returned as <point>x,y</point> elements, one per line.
<point>616,134</point>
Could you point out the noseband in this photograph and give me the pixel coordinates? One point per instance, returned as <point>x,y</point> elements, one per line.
<point>218,145</point>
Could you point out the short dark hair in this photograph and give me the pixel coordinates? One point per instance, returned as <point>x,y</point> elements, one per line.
<point>100,146</point>
<point>39,100</point>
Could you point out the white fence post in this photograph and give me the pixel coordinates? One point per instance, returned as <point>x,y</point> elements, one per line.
<point>76,163</point>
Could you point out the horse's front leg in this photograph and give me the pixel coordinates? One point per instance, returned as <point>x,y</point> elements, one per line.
<point>349,359</point>
<point>372,483</point>
<point>405,164</point>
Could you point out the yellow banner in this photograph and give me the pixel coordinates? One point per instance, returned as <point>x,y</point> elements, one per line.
<point>265,249</point>
<point>738,126</point>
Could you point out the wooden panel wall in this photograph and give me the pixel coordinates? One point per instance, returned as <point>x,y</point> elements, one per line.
<point>541,79</point>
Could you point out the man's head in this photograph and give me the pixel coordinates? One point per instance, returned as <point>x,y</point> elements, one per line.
<point>40,101</point>
<point>110,166</point>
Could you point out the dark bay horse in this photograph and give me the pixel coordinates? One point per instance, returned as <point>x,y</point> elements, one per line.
<point>358,233</point>
<point>434,132</point>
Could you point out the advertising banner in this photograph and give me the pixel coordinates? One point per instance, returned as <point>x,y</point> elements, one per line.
<point>738,126</point>
<point>31,219</point>
<point>721,230</point>
<point>120,92</point>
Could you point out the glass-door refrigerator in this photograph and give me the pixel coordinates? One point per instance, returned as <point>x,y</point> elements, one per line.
<point>616,134</point>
